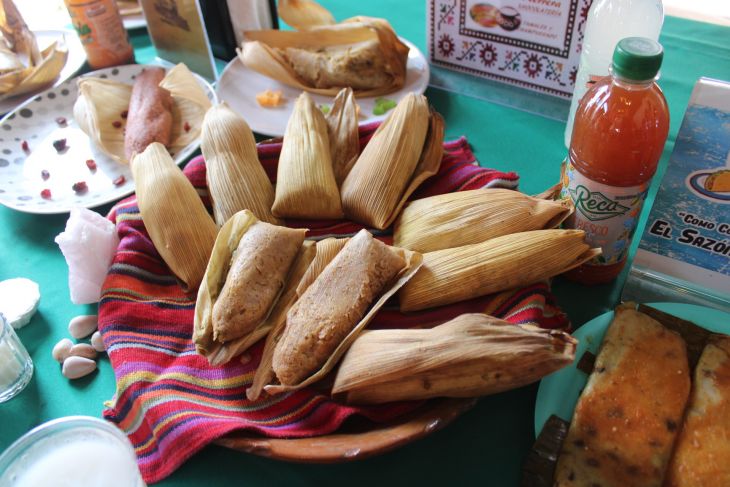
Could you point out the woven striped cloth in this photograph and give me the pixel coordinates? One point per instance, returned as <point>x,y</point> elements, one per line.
<point>171,402</point>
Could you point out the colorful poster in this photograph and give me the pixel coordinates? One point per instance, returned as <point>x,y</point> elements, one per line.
<point>534,44</point>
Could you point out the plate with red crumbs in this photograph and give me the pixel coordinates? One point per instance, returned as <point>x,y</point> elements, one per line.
<point>240,87</point>
<point>49,165</point>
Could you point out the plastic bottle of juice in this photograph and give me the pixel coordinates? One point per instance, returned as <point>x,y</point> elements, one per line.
<point>608,22</point>
<point>620,128</point>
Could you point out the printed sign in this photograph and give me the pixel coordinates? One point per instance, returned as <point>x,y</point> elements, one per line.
<point>534,44</point>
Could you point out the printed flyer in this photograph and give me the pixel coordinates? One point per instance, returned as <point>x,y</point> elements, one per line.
<point>687,234</point>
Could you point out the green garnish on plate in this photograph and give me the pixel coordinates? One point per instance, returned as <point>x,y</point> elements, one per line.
<point>325,109</point>
<point>382,105</point>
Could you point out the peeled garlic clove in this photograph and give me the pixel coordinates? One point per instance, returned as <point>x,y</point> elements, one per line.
<point>82,326</point>
<point>75,367</point>
<point>97,342</point>
<point>82,350</point>
<point>61,350</point>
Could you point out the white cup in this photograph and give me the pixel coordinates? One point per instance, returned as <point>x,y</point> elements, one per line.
<point>78,451</point>
<point>16,366</point>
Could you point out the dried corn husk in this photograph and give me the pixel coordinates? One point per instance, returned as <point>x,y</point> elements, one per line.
<point>33,78</point>
<point>226,243</point>
<point>263,52</point>
<point>327,249</point>
<point>236,179</point>
<point>305,182</point>
<point>506,262</point>
<point>304,14</point>
<point>471,355</point>
<point>174,215</point>
<point>404,151</point>
<point>16,33</point>
<point>344,136</point>
<point>468,217</point>
<point>412,263</point>
<point>101,102</point>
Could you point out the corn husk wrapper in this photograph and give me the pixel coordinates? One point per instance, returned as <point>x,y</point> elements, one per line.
<point>101,102</point>
<point>174,215</point>
<point>215,274</point>
<point>327,249</point>
<point>236,179</point>
<point>471,355</point>
<point>413,263</point>
<point>305,181</point>
<point>404,151</point>
<point>344,135</point>
<point>18,36</point>
<point>304,14</point>
<point>468,217</point>
<point>259,53</point>
<point>453,275</point>
<point>33,78</point>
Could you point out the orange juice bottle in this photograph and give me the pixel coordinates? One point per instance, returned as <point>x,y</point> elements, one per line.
<point>620,128</point>
<point>101,31</point>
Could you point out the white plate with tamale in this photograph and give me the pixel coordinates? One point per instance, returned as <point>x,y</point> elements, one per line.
<point>239,85</point>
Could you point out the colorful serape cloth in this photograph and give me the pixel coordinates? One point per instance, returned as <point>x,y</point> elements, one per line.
<point>172,403</point>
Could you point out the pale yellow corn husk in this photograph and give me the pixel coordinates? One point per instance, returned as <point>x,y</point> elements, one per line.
<point>468,217</point>
<point>304,14</point>
<point>471,355</point>
<point>174,215</point>
<point>17,34</point>
<point>404,151</point>
<point>259,51</point>
<point>413,261</point>
<point>326,250</point>
<point>344,136</point>
<point>305,182</point>
<point>507,262</point>
<point>33,78</point>
<point>101,101</point>
<point>236,179</point>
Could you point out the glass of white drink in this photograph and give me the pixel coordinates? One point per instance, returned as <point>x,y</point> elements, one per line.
<point>78,451</point>
<point>16,367</point>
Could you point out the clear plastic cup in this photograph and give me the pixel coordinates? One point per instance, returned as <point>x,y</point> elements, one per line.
<point>78,451</point>
<point>16,366</point>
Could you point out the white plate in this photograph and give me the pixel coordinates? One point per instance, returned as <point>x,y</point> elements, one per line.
<point>21,181</point>
<point>76,58</point>
<point>239,85</point>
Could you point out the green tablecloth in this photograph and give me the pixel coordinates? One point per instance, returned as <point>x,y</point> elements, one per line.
<point>485,446</point>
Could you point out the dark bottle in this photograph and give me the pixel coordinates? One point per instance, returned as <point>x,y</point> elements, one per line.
<point>220,26</point>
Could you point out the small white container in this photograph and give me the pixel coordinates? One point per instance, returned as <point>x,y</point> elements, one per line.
<point>78,451</point>
<point>16,366</point>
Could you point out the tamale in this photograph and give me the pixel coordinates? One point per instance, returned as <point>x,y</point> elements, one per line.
<point>327,250</point>
<point>468,217</point>
<point>361,52</point>
<point>236,179</point>
<point>506,262</point>
<point>305,182</point>
<point>471,355</point>
<point>247,270</point>
<point>173,215</point>
<point>343,133</point>
<point>150,113</point>
<point>336,306</point>
<point>403,151</point>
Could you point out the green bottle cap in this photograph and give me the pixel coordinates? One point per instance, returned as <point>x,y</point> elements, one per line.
<point>637,58</point>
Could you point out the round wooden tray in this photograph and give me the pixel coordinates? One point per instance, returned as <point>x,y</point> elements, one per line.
<point>354,442</point>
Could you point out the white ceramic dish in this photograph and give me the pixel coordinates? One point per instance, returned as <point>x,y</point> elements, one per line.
<point>76,58</point>
<point>35,121</point>
<point>239,85</point>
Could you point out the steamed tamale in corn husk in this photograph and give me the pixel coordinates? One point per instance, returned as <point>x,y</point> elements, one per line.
<point>24,68</point>
<point>336,307</point>
<point>304,14</point>
<point>471,355</point>
<point>248,268</point>
<point>343,133</point>
<point>404,151</point>
<point>507,262</point>
<point>101,104</point>
<point>469,217</point>
<point>363,53</point>
<point>236,179</point>
<point>174,215</point>
<point>305,181</point>
<point>327,249</point>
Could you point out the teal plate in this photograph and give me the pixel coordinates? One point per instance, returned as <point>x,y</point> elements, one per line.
<point>559,391</point>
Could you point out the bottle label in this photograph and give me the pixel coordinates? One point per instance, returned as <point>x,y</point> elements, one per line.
<point>608,214</point>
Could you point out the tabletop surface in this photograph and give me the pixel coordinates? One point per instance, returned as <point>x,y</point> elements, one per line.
<point>485,446</point>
